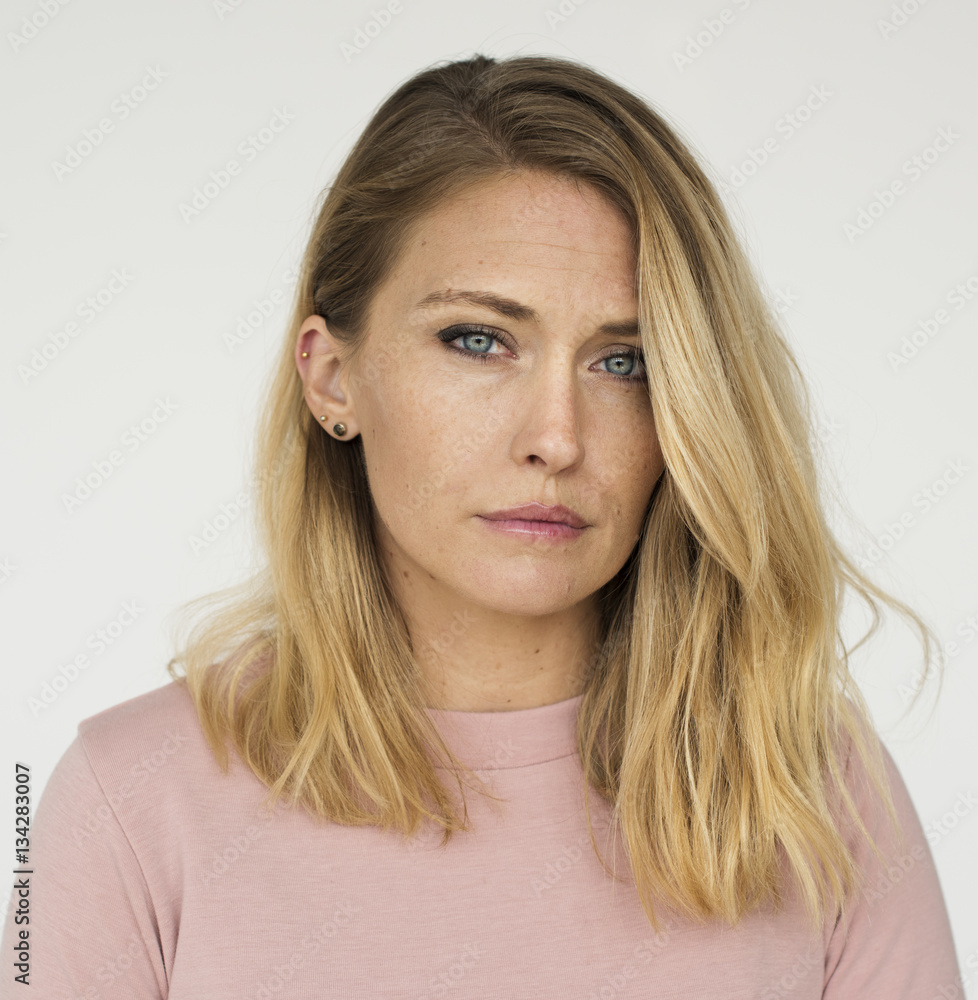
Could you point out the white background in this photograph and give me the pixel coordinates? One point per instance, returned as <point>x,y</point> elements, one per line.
<point>222,71</point>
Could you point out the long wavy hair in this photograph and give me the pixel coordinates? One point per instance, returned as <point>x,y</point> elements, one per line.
<point>718,713</point>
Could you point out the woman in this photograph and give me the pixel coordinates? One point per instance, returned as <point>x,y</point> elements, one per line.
<point>542,691</point>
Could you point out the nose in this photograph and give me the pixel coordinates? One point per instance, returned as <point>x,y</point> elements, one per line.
<point>549,418</point>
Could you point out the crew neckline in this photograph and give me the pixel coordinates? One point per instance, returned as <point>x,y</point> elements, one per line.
<point>489,741</point>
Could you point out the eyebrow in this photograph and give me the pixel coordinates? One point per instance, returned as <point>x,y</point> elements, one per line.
<point>514,310</point>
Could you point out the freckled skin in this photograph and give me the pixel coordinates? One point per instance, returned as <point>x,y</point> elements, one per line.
<point>499,621</point>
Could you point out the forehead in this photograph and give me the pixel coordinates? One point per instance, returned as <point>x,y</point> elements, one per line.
<point>526,228</point>
<point>528,203</point>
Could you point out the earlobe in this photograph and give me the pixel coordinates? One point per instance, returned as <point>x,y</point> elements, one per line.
<point>338,429</point>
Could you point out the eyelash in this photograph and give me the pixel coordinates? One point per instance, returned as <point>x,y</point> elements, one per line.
<point>455,332</point>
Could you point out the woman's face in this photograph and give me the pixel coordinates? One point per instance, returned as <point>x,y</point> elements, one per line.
<point>542,405</point>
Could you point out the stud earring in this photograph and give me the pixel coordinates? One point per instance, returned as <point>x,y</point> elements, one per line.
<point>338,429</point>
<point>305,354</point>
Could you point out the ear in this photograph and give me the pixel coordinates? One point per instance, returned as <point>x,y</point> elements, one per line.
<point>324,377</point>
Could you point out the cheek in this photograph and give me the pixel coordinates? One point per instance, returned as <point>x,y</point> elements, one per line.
<point>415,450</point>
<point>630,461</point>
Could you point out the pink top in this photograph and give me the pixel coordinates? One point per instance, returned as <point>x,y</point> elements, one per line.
<point>156,876</point>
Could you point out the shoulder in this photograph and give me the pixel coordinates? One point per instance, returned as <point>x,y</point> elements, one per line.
<point>897,907</point>
<point>861,773</point>
<point>171,700</point>
<point>162,720</point>
<point>150,744</point>
<point>893,849</point>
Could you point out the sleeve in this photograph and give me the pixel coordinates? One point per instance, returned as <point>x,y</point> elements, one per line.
<point>92,929</point>
<point>897,943</point>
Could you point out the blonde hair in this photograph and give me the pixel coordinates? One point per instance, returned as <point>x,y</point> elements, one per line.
<point>718,701</point>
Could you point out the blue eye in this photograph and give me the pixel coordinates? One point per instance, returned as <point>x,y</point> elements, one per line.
<point>484,334</point>
<point>458,332</point>
<point>636,356</point>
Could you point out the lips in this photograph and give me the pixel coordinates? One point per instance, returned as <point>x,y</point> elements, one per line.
<point>539,512</point>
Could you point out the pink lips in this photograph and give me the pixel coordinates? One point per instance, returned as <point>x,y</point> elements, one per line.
<point>537,520</point>
<point>538,512</point>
